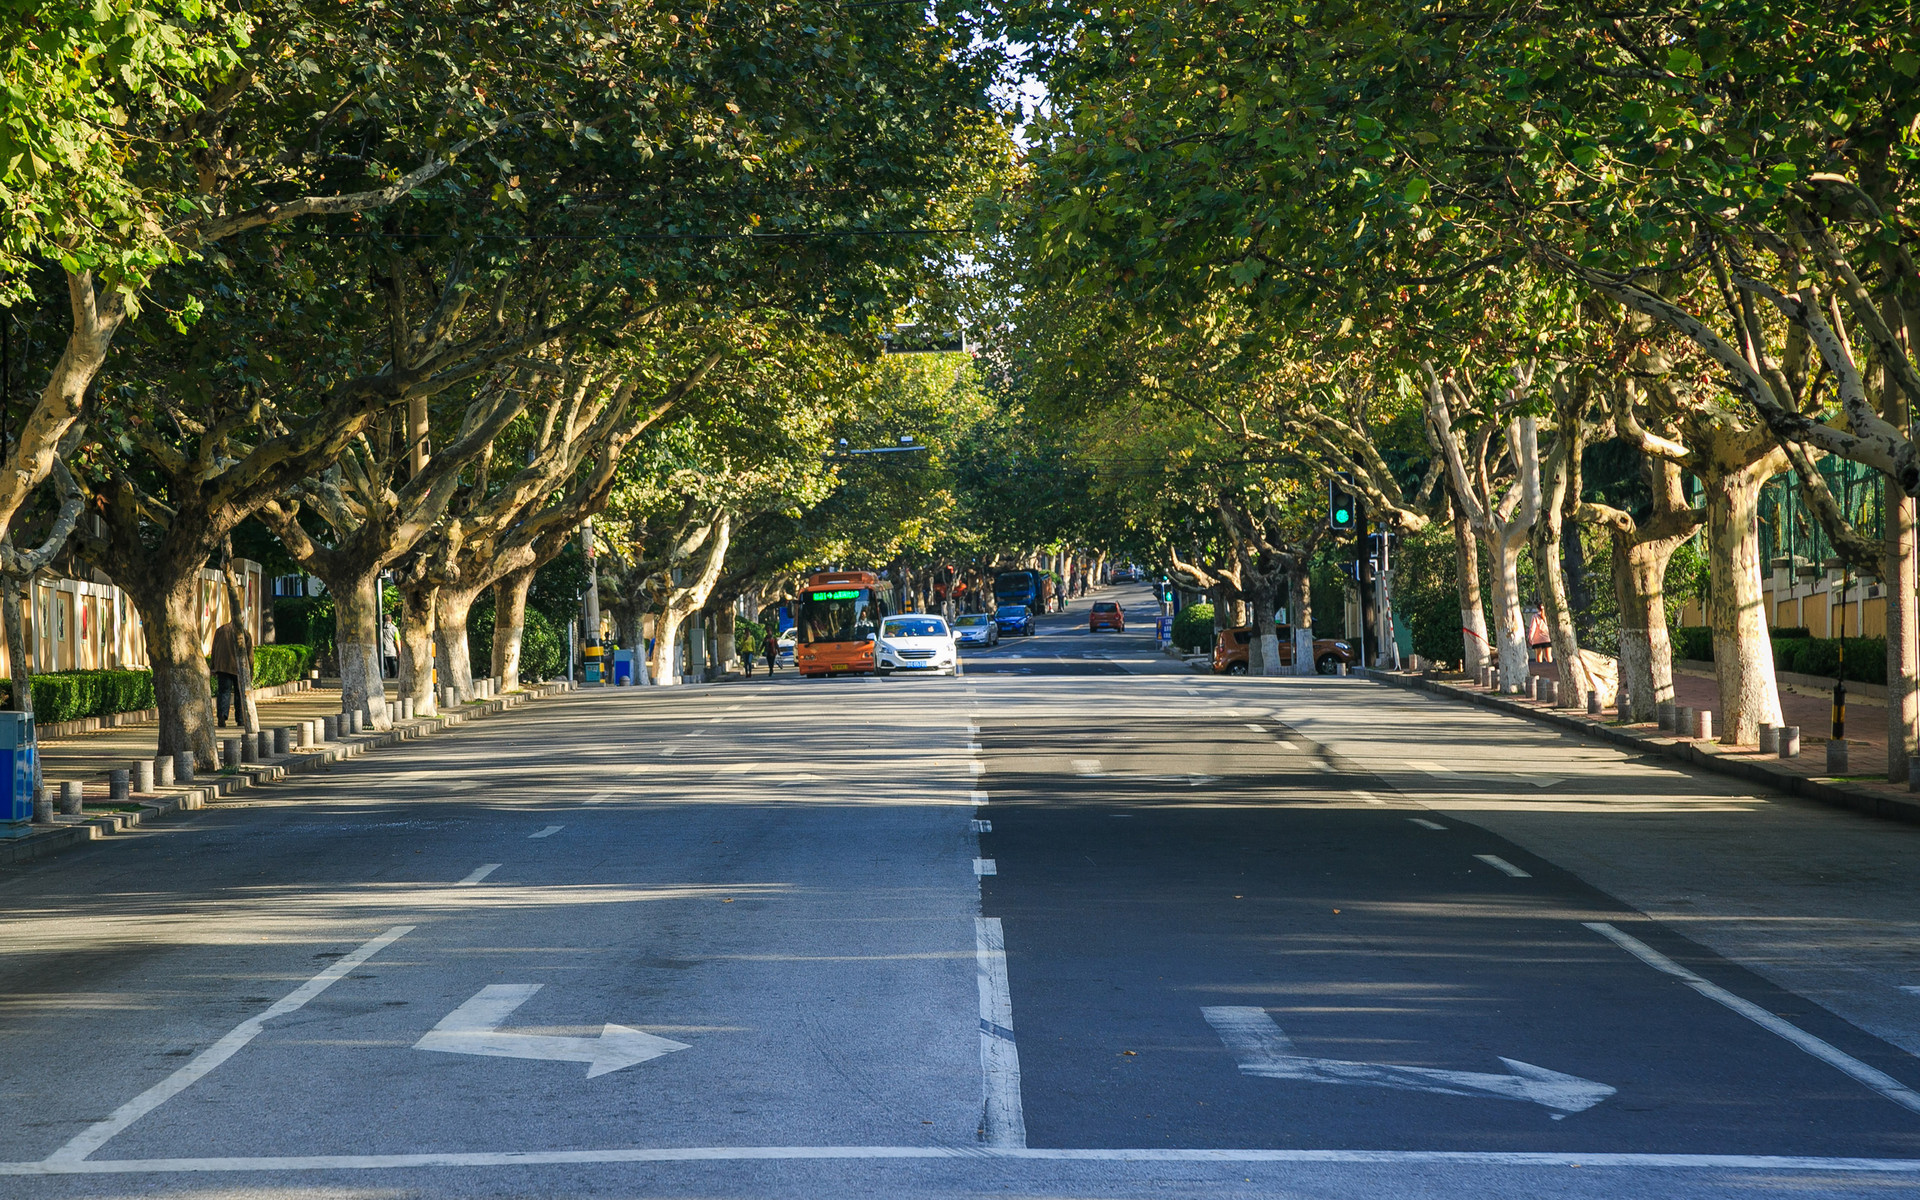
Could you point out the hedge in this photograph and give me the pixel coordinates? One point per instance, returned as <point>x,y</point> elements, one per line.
<point>71,695</point>
<point>543,653</point>
<point>280,662</point>
<point>1796,652</point>
<point>1193,628</point>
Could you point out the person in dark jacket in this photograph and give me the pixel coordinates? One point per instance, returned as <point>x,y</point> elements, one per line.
<point>230,642</point>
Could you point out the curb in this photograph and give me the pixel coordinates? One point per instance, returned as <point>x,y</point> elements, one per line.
<point>1826,791</point>
<point>42,841</point>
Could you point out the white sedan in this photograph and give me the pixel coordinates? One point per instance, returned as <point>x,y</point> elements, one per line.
<point>916,642</point>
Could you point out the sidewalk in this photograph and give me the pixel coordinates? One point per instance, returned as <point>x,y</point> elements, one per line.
<point>87,758</point>
<point>1864,788</point>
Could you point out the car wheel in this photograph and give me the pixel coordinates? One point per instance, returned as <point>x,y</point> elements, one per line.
<point>883,672</point>
<point>1236,668</point>
<point>1327,665</point>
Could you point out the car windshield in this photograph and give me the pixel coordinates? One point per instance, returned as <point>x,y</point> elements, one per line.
<point>1012,610</point>
<point>844,615</point>
<point>972,620</point>
<point>1106,606</point>
<point>912,627</point>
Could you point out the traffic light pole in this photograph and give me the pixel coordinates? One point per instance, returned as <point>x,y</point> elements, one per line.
<point>1361,578</point>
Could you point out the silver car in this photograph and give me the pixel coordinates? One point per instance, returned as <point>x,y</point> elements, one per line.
<point>976,629</point>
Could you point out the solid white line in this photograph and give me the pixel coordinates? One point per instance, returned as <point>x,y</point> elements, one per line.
<point>985,866</point>
<point>1423,823</point>
<point>479,873</point>
<point>549,831</point>
<point>96,1136</point>
<point>1003,1115</point>
<point>536,1158</point>
<point>1502,865</point>
<point>977,797</point>
<point>1834,1057</point>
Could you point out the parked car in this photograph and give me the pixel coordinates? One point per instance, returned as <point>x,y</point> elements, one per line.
<point>1106,615</point>
<point>1014,618</point>
<point>916,642</point>
<point>976,629</point>
<point>1231,651</point>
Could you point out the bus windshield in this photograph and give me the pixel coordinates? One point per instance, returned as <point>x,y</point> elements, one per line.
<point>837,615</point>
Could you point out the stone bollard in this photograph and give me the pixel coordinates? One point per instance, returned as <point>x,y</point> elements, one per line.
<point>1663,715</point>
<point>303,735</point>
<point>1837,757</point>
<point>163,770</point>
<point>1703,724</point>
<point>183,766</point>
<point>230,752</point>
<point>1593,703</point>
<point>70,798</point>
<point>1913,774</point>
<point>1769,739</point>
<point>43,806</point>
<point>406,708</point>
<point>450,699</point>
<point>1789,741</point>
<point>1682,721</point>
<point>329,729</point>
<point>266,744</point>
<point>281,742</point>
<point>119,784</point>
<point>1548,691</point>
<point>143,776</point>
<point>356,721</point>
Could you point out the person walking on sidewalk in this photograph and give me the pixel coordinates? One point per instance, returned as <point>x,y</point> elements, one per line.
<point>229,643</point>
<point>771,647</point>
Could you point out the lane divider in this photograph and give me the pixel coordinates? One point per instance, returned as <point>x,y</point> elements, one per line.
<point>479,873</point>
<point>1503,866</point>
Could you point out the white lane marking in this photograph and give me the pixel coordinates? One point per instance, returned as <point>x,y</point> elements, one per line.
<point>638,1154</point>
<point>977,797</point>
<point>985,866</point>
<point>1834,1057</point>
<point>460,785</point>
<point>736,768</point>
<point>1004,1117</point>
<point>973,730</point>
<point>1264,1051</point>
<point>479,873</point>
<point>474,1028</point>
<point>977,767</point>
<point>1423,823</point>
<point>600,797</point>
<point>97,1135</point>
<point>1366,797</point>
<point>1193,691</point>
<point>1284,744</point>
<point>973,747</point>
<point>1503,866</point>
<point>1440,772</point>
<point>640,769</point>
<point>1256,728</point>
<point>670,751</point>
<point>982,826</point>
<point>1910,989</point>
<point>549,831</point>
<point>731,708</point>
<point>1085,766</point>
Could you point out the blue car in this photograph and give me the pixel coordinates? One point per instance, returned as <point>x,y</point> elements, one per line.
<point>1014,618</point>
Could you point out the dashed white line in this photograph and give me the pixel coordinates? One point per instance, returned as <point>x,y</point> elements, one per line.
<point>977,797</point>
<point>1423,823</point>
<point>978,767</point>
<point>1880,1082</point>
<point>982,826</point>
<point>1366,797</point>
<point>669,751</point>
<point>1256,728</point>
<point>600,797</point>
<point>985,866</point>
<point>1502,865</point>
<point>479,873</point>
<point>549,831</point>
<point>973,747</point>
<point>97,1135</point>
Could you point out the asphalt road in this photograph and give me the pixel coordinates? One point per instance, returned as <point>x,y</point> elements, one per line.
<point>1079,923</point>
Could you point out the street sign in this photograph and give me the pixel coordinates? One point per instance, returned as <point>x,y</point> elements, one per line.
<point>474,1028</point>
<point>1262,1050</point>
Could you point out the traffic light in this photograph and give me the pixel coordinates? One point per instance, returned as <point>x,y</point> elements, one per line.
<point>1343,509</point>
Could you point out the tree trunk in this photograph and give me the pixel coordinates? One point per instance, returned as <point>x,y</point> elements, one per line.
<point>666,645</point>
<point>1508,623</point>
<point>1742,646</point>
<point>1574,681</point>
<point>1473,612</point>
<point>1300,605</point>
<point>450,610</point>
<point>1646,649</point>
<point>13,594</point>
<point>1898,580</point>
<point>182,680</point>
<point>1261,604</point>
<point>724,626</point>
<point>356,643</point>
<point>416,648</point>
<point>510,626</point>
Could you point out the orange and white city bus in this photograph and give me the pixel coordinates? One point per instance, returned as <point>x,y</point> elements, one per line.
<point>839,614</point>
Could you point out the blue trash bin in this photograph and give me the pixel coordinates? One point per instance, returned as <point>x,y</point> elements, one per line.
<point>622,668</point>
<point>17,751</point>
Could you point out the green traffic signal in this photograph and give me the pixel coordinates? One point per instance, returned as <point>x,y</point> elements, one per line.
<point>1341,516</point>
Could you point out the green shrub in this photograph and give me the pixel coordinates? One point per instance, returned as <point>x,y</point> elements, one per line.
<point>1193,628</point>
<point>304,620</point>
<point>1866,657</point>
<point>1694,642</point>
<point>1783,632</point>
<point>543,653</point>
<point>280,662</point>
<point>71,695</point>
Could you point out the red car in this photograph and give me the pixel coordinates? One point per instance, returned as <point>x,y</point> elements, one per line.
<point>1106,615</point>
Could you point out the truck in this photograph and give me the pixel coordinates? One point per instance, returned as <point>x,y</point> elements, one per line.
<point>1031,588</point>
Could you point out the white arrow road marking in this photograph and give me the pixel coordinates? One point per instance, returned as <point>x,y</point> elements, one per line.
<point>1423,823</point>
<point>474,1028</point>
<point>1435,769</point>
<point>1262,1050</point>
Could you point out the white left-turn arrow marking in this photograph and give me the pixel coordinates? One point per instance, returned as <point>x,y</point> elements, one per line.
<point>1263,1050</point>
<point>474,1028</point>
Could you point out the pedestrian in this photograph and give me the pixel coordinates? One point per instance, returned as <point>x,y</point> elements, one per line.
<point>229,643</point>
<point>389,648</point>
<point>772,647</point>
